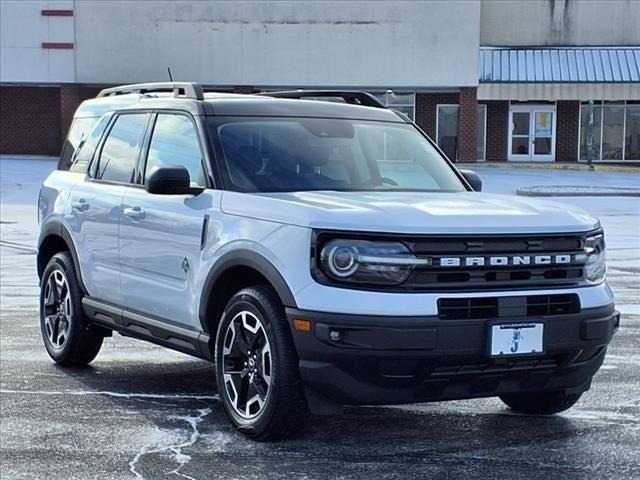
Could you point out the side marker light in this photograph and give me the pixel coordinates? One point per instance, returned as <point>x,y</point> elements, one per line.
<point>302,325</point>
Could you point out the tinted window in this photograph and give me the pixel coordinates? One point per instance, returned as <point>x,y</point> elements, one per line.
<point>120,150</point>
<point>298,154</point>
<point>595,130</point>
<point>88,145</point>
<point>175,142</point>
<point>632,133</point>
<point>78,132</point>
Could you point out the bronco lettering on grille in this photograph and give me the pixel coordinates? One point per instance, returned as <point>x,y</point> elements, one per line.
<point>504,260</point>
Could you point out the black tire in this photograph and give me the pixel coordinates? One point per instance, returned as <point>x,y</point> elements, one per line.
<point>285,410</point>
<point>81,341</point>
<point>543,403</point>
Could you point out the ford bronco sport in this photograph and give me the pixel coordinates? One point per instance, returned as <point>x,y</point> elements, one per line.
<point>321,253</point>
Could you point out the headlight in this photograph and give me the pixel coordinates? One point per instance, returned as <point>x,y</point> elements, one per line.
<point>595,266</point>
<point>359,261</point>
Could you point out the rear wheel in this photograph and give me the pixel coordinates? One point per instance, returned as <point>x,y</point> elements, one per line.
<point>543,403</point>
<point>257,366</point>
<point>68,336</point>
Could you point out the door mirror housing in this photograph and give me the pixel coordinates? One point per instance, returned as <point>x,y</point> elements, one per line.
<point>170,180</point>
<point>472,179</point>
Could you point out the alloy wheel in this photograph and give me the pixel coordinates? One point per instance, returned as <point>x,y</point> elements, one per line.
<point>57,309</point>
<point>246,364</point>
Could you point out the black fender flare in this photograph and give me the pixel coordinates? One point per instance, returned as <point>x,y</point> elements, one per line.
<point>57,228</point>
<point>244,258</point>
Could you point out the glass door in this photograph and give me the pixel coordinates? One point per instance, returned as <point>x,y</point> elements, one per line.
<point>520,144</point>
<point>532,133</point>
<point>542,136</point>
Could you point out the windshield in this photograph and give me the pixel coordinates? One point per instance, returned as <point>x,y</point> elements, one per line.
<point>302,154</point>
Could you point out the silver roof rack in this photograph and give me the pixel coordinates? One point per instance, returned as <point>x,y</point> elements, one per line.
<point>352,97</point>
<point>190,90</point>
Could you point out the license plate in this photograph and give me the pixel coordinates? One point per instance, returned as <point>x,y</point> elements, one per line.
<point>516,339</point>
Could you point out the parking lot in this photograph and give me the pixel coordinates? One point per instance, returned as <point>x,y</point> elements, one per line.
<point>141,411</point>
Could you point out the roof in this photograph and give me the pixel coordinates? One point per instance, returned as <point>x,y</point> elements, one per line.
<point>559,65</point>
<point>255,105</point>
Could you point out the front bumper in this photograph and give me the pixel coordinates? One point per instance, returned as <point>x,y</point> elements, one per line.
<point>374,360</point>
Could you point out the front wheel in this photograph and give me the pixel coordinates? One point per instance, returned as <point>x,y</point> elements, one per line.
<point>257,366</point>
<point>68,336</point>
<point>543,403</point>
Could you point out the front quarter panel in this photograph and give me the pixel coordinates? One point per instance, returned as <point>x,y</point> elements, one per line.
<point>285,247</point>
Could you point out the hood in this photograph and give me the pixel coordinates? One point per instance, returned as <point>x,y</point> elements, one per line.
<point>411,212</point>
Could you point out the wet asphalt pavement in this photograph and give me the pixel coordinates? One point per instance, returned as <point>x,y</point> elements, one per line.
<point>141,411</point>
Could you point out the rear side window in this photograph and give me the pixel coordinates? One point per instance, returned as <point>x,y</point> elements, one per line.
<point>87,146</point>
<point>78,132</point>
<point>121,149</point>
<point>175,142</point>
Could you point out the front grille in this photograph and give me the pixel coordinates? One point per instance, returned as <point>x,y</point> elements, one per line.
<point>507,277</point>
<point>507,307</point>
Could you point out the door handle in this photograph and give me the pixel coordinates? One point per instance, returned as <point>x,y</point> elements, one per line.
<point>135,213</point>
<point>80,206</point>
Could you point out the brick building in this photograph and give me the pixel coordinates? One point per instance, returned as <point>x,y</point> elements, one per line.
<point>494,80</point>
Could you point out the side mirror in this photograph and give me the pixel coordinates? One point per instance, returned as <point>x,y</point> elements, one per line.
<point>169,180</point>
<point>472,179</point>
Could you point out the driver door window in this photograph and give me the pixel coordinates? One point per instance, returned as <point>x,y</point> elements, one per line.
<point>175,142</point>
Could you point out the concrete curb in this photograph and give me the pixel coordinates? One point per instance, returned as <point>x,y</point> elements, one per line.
<point>577,191</point>
<point>555,166</point>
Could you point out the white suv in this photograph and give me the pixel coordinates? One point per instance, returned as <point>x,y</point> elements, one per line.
<point>322,253</point>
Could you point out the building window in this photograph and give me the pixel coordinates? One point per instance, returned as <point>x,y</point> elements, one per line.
<point>404,102</point>
<point>590,144</point>
<point>447,130</point>
<point>612,131</point>
<point>632,132</point>
<point>615,131</point>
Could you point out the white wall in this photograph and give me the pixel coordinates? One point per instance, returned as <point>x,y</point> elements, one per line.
<point>560,22</point>
<point>23,29</point>
<point>286,43</point>
<point>289,43</point>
